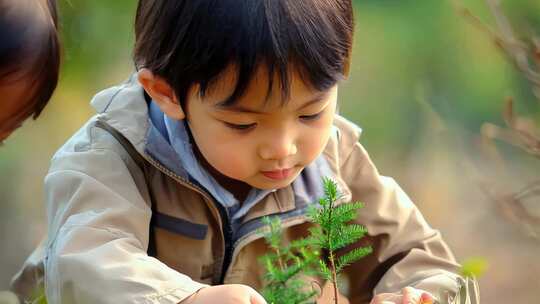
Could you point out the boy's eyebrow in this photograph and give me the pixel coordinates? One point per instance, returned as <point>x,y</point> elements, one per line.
<point>238,108</point>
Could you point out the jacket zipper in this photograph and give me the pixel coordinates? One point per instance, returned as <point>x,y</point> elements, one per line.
<point>222,215</point>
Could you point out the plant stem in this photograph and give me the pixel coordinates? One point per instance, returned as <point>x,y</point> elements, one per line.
<point>331,253</point>
<point>334,277</point>
<point>280,259</point>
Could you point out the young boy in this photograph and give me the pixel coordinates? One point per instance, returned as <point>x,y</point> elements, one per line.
<point>29,60</point>
<point>232,116</point>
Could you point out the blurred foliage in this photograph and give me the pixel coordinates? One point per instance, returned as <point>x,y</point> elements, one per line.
<point>474,267</point>
<point>423,82</point>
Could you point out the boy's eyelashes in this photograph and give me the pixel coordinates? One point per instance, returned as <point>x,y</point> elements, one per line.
<point>246,127</point>
<point>311,117</point>
<point>240,127</point>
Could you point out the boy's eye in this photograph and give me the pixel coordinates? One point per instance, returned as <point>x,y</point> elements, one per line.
<point>240,127</point>
<point>311,117</point>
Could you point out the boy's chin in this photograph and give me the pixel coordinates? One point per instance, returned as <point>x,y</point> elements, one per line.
<point>273,186</point>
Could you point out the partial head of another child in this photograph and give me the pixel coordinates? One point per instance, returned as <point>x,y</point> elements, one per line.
<point>29,60</point>
<point>256,81</point>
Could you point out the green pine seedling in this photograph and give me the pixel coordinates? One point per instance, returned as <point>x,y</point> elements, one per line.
<point>333,233</point>
<point>284,265</point>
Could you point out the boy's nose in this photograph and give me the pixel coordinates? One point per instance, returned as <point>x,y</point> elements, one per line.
<point>277,149</point>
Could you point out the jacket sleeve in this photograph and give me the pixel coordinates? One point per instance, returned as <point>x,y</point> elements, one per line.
<point>98,236</point>
<point>406,250</point>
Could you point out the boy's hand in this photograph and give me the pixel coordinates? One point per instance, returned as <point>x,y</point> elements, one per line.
<point>408,295</point>
<point>225,294</point>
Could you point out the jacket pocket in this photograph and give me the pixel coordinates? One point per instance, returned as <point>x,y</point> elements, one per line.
<point>180,226</point>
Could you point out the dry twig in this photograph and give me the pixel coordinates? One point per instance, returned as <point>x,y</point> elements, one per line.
<point>519,131</point>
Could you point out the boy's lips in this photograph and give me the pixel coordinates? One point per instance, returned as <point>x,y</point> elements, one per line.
<point>278,174</point>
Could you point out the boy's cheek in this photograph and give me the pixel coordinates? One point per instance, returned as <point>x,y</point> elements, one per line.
<point>314,145</point>
<point>230,161</point>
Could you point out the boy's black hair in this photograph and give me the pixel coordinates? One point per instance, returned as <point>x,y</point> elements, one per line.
<point>191,42</point>
<point>30,49</point>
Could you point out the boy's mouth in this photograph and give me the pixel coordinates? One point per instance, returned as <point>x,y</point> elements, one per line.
<point>278,174</point>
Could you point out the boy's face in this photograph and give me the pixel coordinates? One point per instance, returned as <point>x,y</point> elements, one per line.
<point>13,104</point>
<point>263,144</point>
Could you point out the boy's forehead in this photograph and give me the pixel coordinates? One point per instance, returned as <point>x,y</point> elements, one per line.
<point>258,95</point>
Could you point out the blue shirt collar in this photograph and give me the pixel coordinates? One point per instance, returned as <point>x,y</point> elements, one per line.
<point>175,133</point>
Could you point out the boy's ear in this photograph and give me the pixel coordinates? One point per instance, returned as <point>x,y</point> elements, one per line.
<point>162,94</point>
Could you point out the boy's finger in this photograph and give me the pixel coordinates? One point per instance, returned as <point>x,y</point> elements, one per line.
<point>256,298</point>
<point>426,298</point>
<point>410,296</point>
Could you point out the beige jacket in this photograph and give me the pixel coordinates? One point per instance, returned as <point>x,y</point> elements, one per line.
<point>99,200</point>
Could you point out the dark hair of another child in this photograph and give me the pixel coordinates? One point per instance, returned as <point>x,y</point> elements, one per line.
<point>30,50</point>
<point>190,42</point>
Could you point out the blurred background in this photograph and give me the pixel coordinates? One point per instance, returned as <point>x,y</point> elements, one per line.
<point>429,84</point>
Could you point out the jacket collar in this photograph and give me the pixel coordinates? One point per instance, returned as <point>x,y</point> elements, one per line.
<point>124,108</point>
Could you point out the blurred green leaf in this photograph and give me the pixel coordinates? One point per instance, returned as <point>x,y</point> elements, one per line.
<point>474,267</point>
